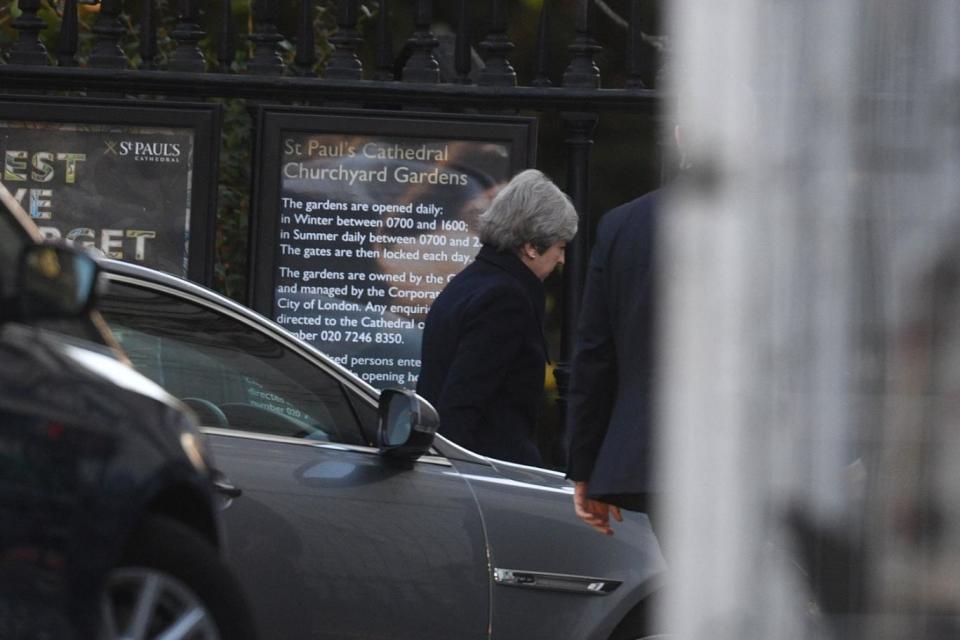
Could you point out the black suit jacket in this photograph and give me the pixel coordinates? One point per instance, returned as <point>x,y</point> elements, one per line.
<point>483,357</point>
<point>611,388</point>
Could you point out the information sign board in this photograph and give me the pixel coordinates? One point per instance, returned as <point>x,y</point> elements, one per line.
<point>129,179</point>
<point>362,219</point>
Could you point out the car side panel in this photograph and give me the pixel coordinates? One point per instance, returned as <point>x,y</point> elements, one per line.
<point>333,542</point>
<point>531,527</point>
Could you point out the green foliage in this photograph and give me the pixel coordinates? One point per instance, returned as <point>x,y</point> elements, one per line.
<point>233,200</point>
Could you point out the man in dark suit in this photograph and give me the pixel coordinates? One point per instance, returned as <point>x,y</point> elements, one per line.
<point>609,409</point>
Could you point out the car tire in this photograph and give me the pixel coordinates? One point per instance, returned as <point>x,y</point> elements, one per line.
<point>172,580</point>
<point>637,625</point>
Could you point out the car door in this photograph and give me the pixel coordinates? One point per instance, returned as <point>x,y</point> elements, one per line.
<point>330,539</point>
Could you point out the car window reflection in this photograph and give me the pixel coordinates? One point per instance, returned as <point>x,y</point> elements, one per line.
<point>230,375</point>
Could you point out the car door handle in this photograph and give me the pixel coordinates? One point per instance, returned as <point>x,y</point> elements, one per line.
<point>223,485</point>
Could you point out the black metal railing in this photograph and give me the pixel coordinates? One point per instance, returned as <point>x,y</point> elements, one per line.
<point>420,65</point>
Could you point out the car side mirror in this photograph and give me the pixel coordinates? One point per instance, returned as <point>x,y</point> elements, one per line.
<point>407,424</point>
<point>55,281</point>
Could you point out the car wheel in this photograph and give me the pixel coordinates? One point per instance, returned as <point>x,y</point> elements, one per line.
<point>171,583</point>
<point>637,625</point>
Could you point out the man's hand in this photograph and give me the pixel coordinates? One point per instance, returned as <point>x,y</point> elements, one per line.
<point>593,512</point>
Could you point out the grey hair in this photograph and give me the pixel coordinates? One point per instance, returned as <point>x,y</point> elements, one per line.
<point>530,208</point>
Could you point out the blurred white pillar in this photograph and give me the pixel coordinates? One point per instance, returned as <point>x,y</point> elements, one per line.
<point>823,137</point>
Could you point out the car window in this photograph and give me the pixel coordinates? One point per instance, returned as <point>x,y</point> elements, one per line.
<point>367,414</point>
<point>230,374</point>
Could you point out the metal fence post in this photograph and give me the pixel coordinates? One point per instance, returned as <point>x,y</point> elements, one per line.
<point>422,66</point>
<point>109,30</point>
<point>582,73</point>
<point>344,62</point>
<point>187,34</point>
<point>28,49</point>
<point>497,69</point>
<point>266,59</point>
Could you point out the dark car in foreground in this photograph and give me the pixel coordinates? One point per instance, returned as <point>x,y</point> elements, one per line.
<point>339,534</point>
<point>109,521</point>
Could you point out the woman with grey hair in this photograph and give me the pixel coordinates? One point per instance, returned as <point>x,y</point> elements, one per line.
<point>484,352</point>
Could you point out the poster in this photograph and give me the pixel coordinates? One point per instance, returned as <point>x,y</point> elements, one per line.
<point>369,230</point>
<point>117,178</point>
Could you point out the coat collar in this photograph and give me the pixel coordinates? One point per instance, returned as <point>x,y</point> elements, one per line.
<point>512,265</point>
<point>531,283</point>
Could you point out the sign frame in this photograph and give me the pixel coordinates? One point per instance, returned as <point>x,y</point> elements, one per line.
<point>519,132</point>
<point>203,119</point>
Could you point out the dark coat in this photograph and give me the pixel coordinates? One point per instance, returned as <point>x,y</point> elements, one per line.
<point>609,408</point>
<point>483,357</point>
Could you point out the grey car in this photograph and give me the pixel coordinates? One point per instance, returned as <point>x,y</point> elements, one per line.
<point>339,534</point>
